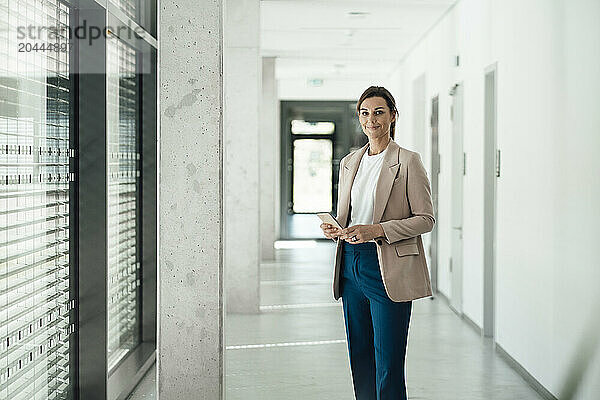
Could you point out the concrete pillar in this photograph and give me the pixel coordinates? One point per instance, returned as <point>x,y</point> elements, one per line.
<point>241,64</point>
<point>268,152</point>
<point>190,301</point>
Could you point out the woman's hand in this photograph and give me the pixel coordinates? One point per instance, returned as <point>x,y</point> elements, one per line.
<point>330,231</point>
<point>361,233</point>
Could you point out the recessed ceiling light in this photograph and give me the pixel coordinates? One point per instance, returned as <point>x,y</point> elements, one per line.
<point>357,14</point>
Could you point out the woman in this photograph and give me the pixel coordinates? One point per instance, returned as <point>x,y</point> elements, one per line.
<point>384,206</point>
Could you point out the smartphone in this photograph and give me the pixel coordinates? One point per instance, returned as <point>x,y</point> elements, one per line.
<point>329,219</point>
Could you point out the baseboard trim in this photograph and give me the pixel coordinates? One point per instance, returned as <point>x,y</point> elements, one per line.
<point>442,296</point>
<point>463,316</point>
<point>472,324</point>
<point>514,364</point>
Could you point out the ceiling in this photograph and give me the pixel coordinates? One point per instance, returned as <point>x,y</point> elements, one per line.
<point>343,39</point>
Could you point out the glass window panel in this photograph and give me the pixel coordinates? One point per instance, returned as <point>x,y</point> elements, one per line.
<point>312,175</point>
<point>34,205</point>
<point>123,200</point>
<point>300,127</point>
<point>129,7</point>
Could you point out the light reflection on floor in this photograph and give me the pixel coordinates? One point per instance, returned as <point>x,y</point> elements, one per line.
<point>295,348</point>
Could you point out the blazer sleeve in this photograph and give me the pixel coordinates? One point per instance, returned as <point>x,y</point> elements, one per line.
<point>418,191</point>
<point>341,174</point>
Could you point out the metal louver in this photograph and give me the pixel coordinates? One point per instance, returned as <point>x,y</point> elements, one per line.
<point>123,200</point>
<point>35,301</point>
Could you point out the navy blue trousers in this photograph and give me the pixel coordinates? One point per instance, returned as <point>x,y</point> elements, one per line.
<point>376,326</point>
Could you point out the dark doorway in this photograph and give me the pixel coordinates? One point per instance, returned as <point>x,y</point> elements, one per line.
<point>315,136</point>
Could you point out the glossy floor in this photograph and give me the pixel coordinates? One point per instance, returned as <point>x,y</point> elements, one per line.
<point>295,348</point>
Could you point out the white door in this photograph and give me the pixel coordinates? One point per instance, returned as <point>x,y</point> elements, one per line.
<point>458,171</point>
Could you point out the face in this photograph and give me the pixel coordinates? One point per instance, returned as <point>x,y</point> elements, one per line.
<point>375,117</point>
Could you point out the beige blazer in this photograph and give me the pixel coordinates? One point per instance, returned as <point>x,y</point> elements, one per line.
<point>404,208</point>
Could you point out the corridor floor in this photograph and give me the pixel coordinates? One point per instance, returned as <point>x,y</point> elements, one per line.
<point>296,349</point>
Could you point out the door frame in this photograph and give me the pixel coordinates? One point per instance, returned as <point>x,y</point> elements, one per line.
<point>489,197</point>
<point>435,171</point>
<point>457,197</point>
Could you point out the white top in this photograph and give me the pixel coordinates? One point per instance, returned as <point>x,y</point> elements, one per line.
<point>362,195</point>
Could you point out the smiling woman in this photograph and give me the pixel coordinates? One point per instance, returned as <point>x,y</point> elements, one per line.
<point>377,112</point>
<point>384,205</point>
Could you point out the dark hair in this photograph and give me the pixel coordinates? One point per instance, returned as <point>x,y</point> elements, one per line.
<point>380,91</point>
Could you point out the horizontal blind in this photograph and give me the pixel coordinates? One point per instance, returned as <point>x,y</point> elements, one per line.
<point>123,200</point>
<point>34,204</point>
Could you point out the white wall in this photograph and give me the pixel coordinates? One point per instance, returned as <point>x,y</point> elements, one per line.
<point>548,126</point>
<point>577,190</point>
<point>268,150</point>
<point>242,68</point>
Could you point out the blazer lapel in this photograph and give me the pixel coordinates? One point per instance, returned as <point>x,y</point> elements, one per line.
<point>350,169</point>
<point>389,168</point>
